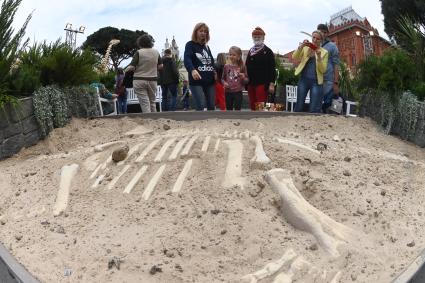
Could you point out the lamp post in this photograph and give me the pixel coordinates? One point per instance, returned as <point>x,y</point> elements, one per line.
<point>367,42</point>
<point>71,34</point>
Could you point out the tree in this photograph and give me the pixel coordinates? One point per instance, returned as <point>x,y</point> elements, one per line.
<point>393,10</point>
<point>10,46</point>
<point>99,41</point>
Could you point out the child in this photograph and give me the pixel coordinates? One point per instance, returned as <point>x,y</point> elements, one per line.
<point>234,79</point>
<point>120,90</point>
<point>185,95</point>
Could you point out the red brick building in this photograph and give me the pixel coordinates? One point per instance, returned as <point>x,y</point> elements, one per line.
<point>355,37</point>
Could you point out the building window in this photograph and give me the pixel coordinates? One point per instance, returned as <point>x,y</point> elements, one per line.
<point>353,60</point>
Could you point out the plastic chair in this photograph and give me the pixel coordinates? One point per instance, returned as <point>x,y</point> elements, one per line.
<point>348,112</point>
<point>158,97</point>
<point>110,101</point>
<point>131,97</point>
<point>291,96</point>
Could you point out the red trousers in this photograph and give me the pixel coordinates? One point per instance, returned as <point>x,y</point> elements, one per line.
<point>256,93</point>
<point>219,96</point>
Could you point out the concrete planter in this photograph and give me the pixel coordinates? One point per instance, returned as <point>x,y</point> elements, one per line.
<point>18,128</point>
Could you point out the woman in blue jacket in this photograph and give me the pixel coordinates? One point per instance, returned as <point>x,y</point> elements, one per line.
<point>199,63</point>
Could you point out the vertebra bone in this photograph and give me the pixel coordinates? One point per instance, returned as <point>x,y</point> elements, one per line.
<point>260,156</point>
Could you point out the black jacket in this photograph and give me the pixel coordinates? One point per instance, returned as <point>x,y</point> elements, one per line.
<point>169,74</point>
<point>261,67</point>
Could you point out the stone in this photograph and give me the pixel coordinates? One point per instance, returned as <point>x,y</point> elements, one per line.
<point>166,127</point>
<point>120,154</point>
<point>32,138</point>
<point>12,145</point>
<point>29,124</point>
<point>336,138</point>
<point>346,173</point>
<point>347,159</point>
<point>321,147</point>
<point>383,192</point>
<point>411,244</point>
<point>155,269</point>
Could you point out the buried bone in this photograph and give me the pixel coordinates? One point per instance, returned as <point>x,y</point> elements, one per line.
<point>180,180</point>
<point>233,176</point>
<point>135,179</point>
<point>302,215</point>
<point>188,146</point>
<point>164,149</point>
<point>270,268</point>
<point>115,180</point>
<point>206,144</point>
<point>260,156</point>
<point>67,175</point>
<point>297,144</point>
<point>147,150</point>
<point>152,183</point>
<point>177,149</point>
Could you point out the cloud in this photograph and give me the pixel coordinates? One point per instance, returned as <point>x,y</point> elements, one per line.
<point>230,22</point>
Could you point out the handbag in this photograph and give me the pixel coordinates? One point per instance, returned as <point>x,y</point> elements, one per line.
<point>336,105</point>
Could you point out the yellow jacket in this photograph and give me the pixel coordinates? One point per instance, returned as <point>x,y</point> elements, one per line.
<point>302,55</point>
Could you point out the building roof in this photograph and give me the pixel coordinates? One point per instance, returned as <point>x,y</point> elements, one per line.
<point>345,15</point>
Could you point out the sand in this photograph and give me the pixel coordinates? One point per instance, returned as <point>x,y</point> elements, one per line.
<point>203,228</point>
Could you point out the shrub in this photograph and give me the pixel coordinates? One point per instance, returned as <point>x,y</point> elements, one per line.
<point>82,101</point>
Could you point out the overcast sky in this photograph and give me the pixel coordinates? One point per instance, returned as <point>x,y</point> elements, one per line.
<point>230,22</point>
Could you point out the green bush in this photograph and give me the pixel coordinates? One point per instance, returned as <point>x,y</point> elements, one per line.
<point>419,90</point>
<point>82,101</point>
<point>108,80</point>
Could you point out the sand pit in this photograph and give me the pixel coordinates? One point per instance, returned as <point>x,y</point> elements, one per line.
<point>215,201</point>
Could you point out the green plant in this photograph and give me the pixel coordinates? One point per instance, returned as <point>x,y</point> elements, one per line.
<point>10,45</point>
<point>82,101</point>
<point>108,80</point>
<point>408,114</point>
<point>419,90</point>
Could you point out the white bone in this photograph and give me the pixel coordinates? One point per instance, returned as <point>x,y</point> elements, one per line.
<point>297,265</point>
<point>102,147</point>
<point>115,180</point>
<point>138,131</point>
<point>270,268</point>
<point>180,180</point>
<point>105,164</point>
<point>206,144</point>
<point>260,156</point>
<point>244,135</point>
<point>147,150</point>
<point>67,175</point>
<point>95,171</point>
<point>297,145</point>
<point>233,175</point>
<point>164,149</point>
<point>302,215</point>
<point>97,182</point>
<point>336,277</point>
<point>135,179</point>
<point>189,146</point>
<point>235,134</point>
<point>177,149</point>
<point>130,153</point>
<point>217,144</point>
<point>152,183</point>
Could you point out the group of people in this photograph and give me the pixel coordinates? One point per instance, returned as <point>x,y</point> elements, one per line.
<point>221,83</point>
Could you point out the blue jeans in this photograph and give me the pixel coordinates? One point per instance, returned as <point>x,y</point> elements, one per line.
<point>328,93</point>
<point>316,95</point>
<point>173,90</point>
<point>201,94</point>
<point>122,103</point>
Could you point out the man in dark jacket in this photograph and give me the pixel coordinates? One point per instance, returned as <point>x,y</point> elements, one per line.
<point>168,80</point>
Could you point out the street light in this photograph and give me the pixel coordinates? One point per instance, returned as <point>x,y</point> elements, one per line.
<point>71,34</point>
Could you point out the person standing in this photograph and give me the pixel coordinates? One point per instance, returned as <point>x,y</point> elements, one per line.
<point>312,67</point>
<point>199,63</point>
<point>219,88</point>
<point>234,79</point>
<point>145,64</point>
<point>168,80</point>
<point>121,91</point>
<point>185,95</point>
<point>331,78</point>
<point>261,69</point>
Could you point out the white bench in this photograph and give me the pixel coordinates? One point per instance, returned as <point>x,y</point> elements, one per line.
<point>291,96</point>
<point>132,97</point>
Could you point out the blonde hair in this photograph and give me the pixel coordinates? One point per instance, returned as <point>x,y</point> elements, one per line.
<point>319,33</point>
<point>239,61</point>
<point>197,27</point>
<point>221,59</point>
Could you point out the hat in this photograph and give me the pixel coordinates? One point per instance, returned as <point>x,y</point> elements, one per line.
<point>258,31</point>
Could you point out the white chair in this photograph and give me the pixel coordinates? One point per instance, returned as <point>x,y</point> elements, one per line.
<point>131,97</point>
<point>291,96</point>
<point>158,97</point>
<point>110,101</point>
<point>348,112</point>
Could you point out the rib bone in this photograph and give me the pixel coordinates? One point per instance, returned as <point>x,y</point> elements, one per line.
<point>164,148</point>
<point>148,150</point>
<point>135,179</point>
<point>177,149</point>
<point>149,189</point>
<point>179,183</point>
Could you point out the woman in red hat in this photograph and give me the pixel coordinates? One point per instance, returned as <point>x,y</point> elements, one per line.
<point>261,69</point>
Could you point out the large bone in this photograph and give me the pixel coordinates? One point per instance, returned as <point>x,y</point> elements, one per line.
<point>164,149</point>
<point>95,171</point>
<point>233,176</point>
<point>180,180</point>
<point>270,268</point>
<point>147,150</point>
<point>98,181</point>
<point>102,147</point>
<point>260,157</point>
<point>297,145</point>
<point>67,175</point>
<point>135,179</point>
<point>206,144</point>
<point>149,189</point>
<point>115,180</point>
<point>138,131</point>
<point>302,215</point>
<point>217,144</point>
<point>188,146</point>
<point>177,149</point>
